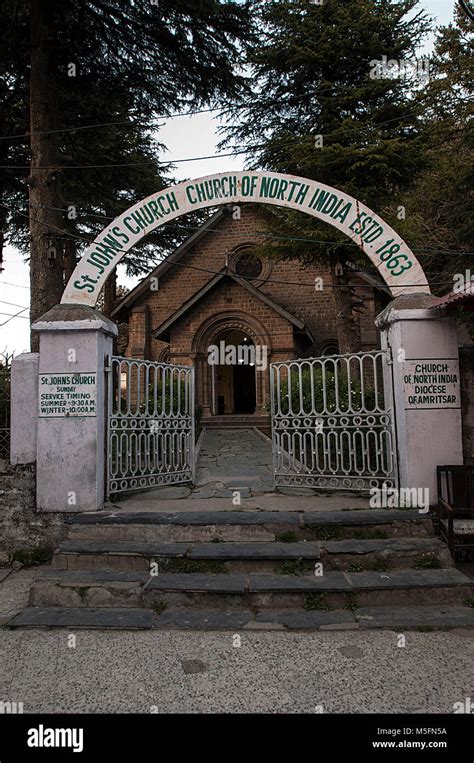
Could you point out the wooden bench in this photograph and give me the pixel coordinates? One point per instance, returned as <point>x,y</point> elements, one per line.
<point>456,509</point>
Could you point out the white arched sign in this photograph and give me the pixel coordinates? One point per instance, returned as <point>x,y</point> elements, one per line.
<point>393,259</point>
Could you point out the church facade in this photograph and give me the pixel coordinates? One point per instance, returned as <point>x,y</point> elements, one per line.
<point>213,293</point>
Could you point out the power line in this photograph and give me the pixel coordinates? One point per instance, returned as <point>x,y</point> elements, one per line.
<point>290,283</point>
<point>14,316</point>
<point>13,304</point>
<point>104,124</point>
<point>213,272</point>
<point>18,285</point>
<point>195,112</point>
<point>235,152</point>
<point>124,164</point>
<point>272,237</point>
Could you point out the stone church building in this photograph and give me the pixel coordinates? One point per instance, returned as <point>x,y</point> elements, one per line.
<point>213,289</point>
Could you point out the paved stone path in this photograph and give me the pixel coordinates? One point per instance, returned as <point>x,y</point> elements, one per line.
<point>231,460</point>
<point>234,458</point>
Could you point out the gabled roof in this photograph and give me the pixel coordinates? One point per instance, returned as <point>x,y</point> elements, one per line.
<point>162,332</point>
<point>167,263</point>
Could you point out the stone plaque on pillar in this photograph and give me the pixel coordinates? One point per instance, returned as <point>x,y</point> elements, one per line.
<point>72,419</point>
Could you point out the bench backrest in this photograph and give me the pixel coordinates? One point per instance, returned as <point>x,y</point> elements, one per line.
<point>456,486</point>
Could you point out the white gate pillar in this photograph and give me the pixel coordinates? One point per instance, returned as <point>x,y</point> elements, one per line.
<point>72,398</point>
<point>426,388</point>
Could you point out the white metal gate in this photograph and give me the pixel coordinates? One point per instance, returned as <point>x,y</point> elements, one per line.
<point>150,439</point>
<point>333,422</point>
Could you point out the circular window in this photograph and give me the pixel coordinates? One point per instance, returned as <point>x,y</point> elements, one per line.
<point>248,266</point>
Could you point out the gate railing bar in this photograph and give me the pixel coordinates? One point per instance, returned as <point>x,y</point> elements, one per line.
<point>108,412</point>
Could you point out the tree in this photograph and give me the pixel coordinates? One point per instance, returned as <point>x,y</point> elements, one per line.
<point>131,62</point>
<point>439,203</point>
<point>320,109</point>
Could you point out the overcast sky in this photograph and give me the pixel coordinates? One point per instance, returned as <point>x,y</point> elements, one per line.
<point>184,137</point>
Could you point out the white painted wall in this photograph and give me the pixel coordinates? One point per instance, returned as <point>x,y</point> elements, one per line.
<point>427,438</point>
<point>24,408</point>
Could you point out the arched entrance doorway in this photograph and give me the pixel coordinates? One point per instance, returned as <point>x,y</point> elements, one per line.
<point>235,374</point>
<point>232,388</point>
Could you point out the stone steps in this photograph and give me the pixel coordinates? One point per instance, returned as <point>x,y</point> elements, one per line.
<point>393,618</point>
<point>196,526</point>
<point>138,556</point>
<point>333,590</point>
<point>83,617</point>
<point>256,556</point>
<point>389,554</point>
<point>236,421</point>
<point>344,569</point>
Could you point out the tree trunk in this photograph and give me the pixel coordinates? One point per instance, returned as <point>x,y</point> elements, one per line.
<point>110,293</point>
<point>70,258</point>
<point>46,265</point>
<point>347,326</point>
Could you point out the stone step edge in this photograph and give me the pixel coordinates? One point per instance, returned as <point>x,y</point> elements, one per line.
<point>182,549</point>
<point>388,618</point>
<point>334,581</point>
<point>196,551</point>
<point>352,517</point>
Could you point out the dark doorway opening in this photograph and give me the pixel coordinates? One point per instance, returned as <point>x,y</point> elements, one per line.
<point>235,387</point>
<point>244,389</point>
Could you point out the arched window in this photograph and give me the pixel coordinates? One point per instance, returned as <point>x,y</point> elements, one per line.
<point>330,347</point>
<point>164,356</point>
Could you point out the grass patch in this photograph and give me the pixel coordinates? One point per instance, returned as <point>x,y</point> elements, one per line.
<point>469,601</point>
<point>82,591</point>
<point>351,601</point>
<point>355,567</point>
<point>31,557</point>
<point>291,567</point>
<point>427,563</point>
<point>314,601</point>
<point>217,540</point>
<point>326,532</point>
<point>286,537</point>
<point>193,565</point>
<point>370,534</point>
<point>159,607</point>
<point>425,628</point>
